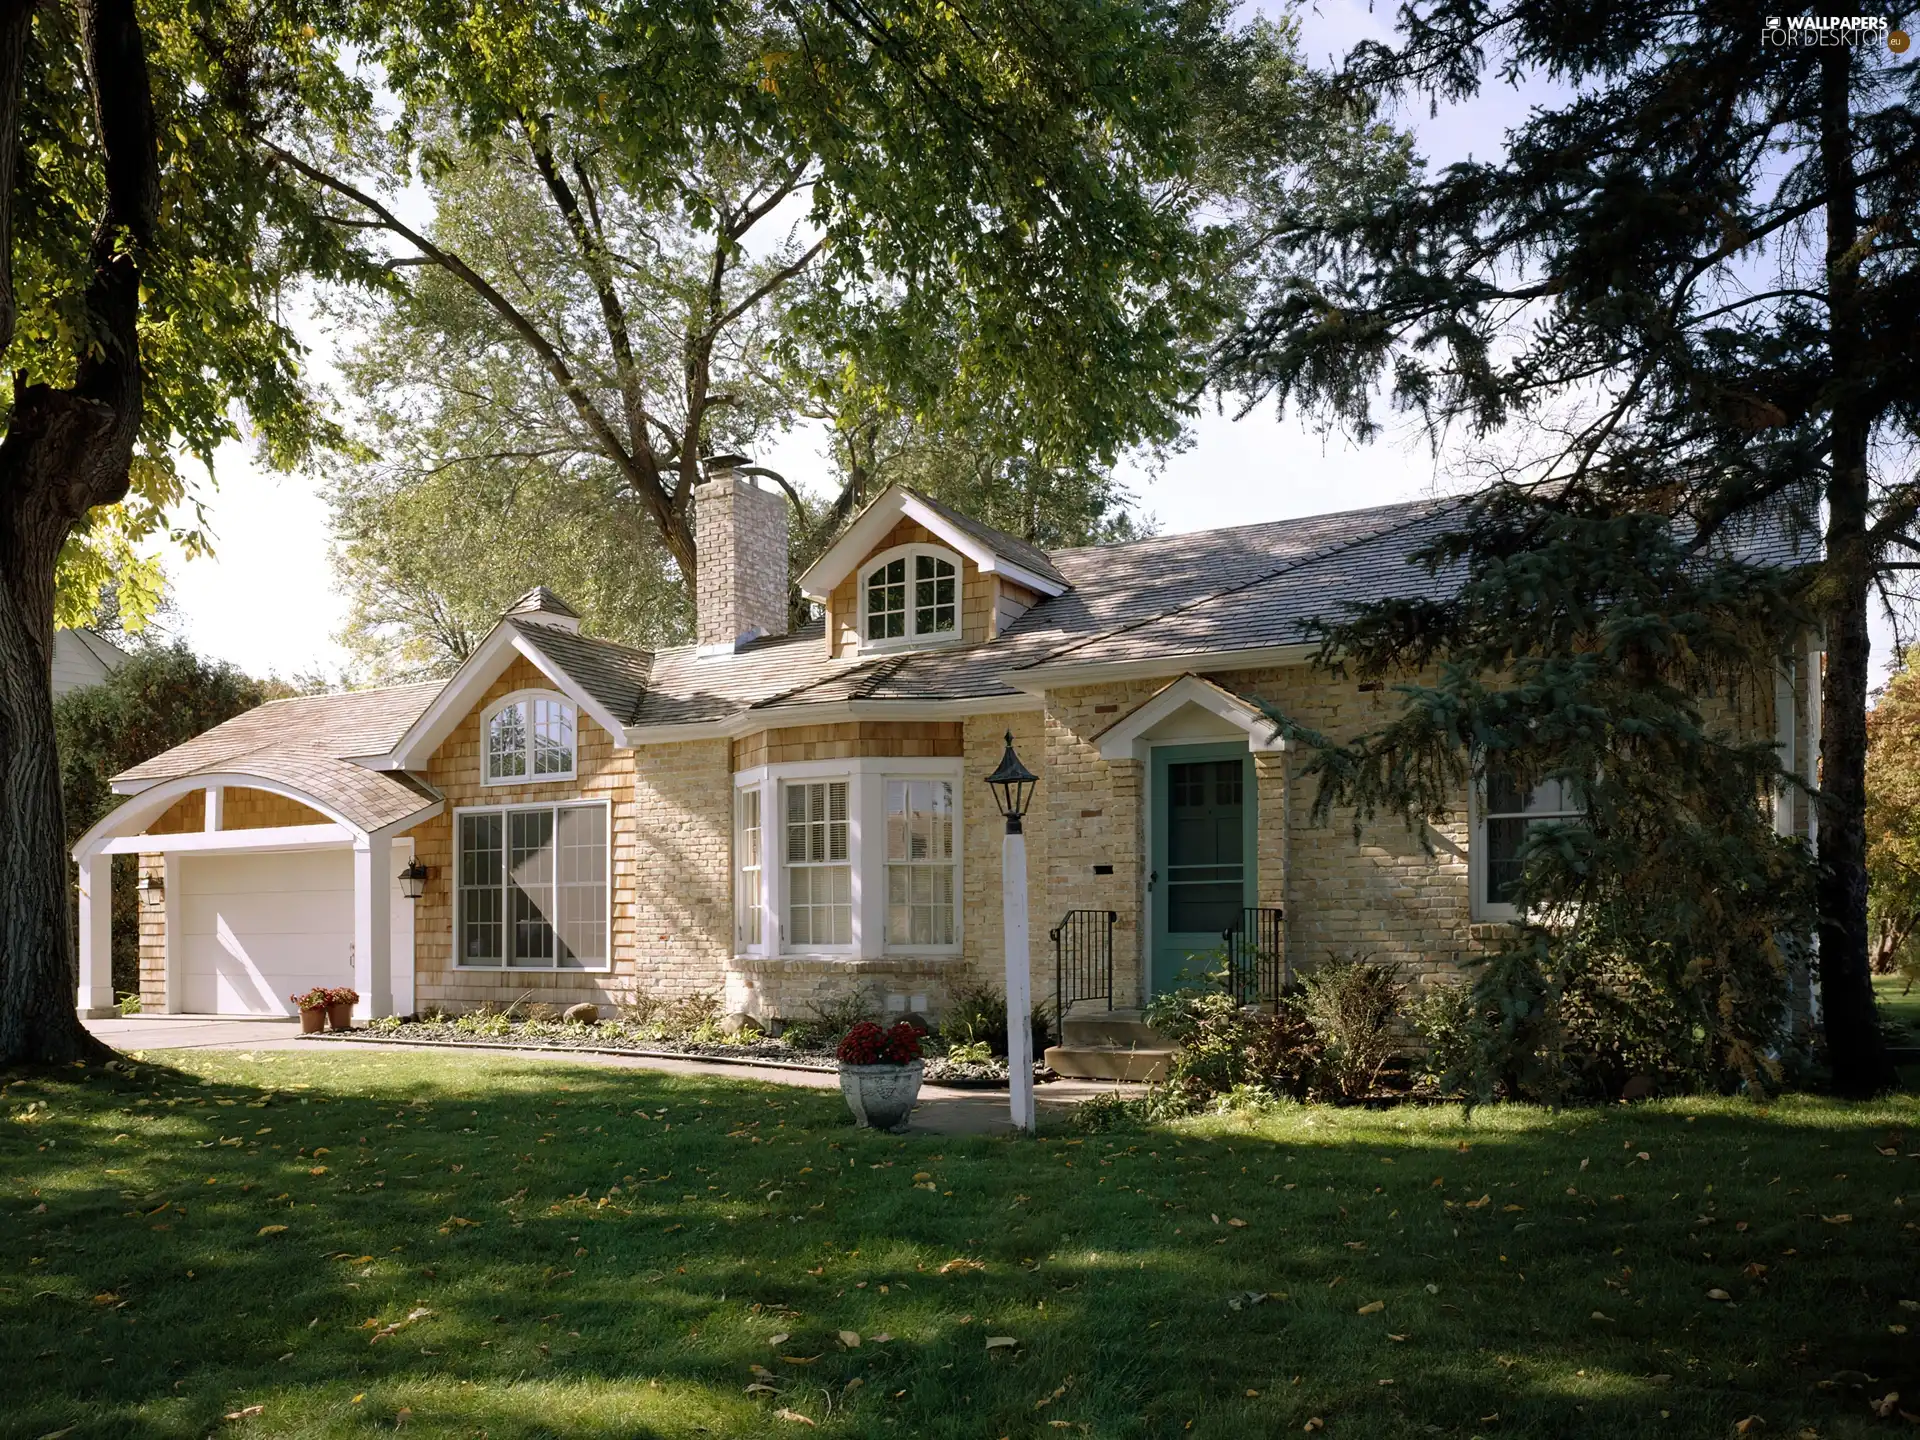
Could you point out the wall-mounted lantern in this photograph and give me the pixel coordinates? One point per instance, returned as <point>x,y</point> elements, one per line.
<point>413,879</point>
<point>153,891</point>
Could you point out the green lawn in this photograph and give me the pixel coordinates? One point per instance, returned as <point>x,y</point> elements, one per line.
<point>1899,1004</point>
<point>596,1252</point>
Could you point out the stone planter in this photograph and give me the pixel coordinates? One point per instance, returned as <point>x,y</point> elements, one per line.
<point>881,1096</point>
<point>314,1020</point>
<point>340,1015</point>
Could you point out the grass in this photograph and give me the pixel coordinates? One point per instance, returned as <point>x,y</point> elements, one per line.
<point>1899,1005</point>
<point>599,1252</point>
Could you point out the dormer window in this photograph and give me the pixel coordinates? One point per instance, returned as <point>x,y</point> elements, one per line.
<point>530,737</point>
<point>912,594</point>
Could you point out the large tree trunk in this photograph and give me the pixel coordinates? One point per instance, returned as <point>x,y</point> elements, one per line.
<point>65,452</point>
<point>1858,1055</point>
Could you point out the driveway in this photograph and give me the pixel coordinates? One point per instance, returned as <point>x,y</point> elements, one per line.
<point>941,1111</point>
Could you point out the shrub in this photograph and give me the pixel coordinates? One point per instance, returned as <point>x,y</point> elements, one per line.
<point>867,1044</point>
<point>973,1052</point>
<point>840,1014</point>
<point>129,1003</point>
<point>1109,1110</point>
<point>1451,1035</point>
<point>1352,1006</point>
<point>1223,1046</point>
<point>805,1035</point>
<point>977,1013</point>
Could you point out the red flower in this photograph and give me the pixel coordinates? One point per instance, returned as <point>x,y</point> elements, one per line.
<point>867,1044</point>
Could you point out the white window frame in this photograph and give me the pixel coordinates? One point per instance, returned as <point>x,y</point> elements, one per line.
<point>913,638</point>
<point>527,697</point>
<point>866,850</point>
<point>1479,851</point>
<point>606,811</point>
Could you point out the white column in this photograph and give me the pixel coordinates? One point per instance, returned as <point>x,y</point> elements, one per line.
<point>173,953</point>
<point>216,807</point>
<point>373,927</point>
<point>1013,893</point>
<point>1784,705</point>
<point>96,937</point>
<point>1815,679</point>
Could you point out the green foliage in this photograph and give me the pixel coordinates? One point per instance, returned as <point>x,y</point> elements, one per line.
<point>973,1052</point>
<point>1893,820</point>
<point>976,1013</point>
<point>1225,1047</point>
<point>1605,653</point>
<point>1352,1006</point>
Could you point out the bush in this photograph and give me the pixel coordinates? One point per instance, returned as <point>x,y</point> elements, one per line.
<point>977,1013</point>
<point>1223,1046</point>
<point>1109,1110</point>
<point>1450,1033</point>
<point>837,1016</point>
<point>1352,1006</point>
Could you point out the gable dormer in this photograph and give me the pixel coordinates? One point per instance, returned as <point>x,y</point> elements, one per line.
<point>912,574</point>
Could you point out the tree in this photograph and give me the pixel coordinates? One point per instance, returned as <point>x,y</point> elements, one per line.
<point>1687,288</point>
<point>161,697</point>
<point>1893,816</point>
<point>142,249</point>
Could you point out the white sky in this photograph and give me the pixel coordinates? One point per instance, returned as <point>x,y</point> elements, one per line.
<point>266,599</point>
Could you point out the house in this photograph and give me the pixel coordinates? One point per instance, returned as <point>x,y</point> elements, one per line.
<point>778,818</point>
<point>81,658</point>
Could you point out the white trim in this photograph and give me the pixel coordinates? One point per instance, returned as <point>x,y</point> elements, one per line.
<point>1480,910</point>
<point>605,805</point>
<point>783,717</point>
<point>526,697</point>
<point>1038,678</point>
<point>890,507</point>
<point>1125,738</point>
<point>266,840</point>
<point>911,638</point>
<point>462,694</point>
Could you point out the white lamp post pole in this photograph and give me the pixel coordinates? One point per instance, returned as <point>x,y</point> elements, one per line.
<point>1012,786</point>
<point>1013,890</point>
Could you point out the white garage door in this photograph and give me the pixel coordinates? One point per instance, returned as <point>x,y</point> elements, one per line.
<point>257,929</point>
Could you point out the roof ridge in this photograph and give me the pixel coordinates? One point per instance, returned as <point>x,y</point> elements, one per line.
<point>1297,562</point>
<point>1109,548</point>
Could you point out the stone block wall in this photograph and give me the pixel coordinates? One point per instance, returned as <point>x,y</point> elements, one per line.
<point>982,930</point>
<point>683,868</point>
<point>740,535</point>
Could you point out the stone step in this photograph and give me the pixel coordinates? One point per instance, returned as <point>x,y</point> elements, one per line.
<point>1110,1062</point>
<point>1110,1027</point>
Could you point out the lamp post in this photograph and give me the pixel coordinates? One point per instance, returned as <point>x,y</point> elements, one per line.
<point>1012,786</point>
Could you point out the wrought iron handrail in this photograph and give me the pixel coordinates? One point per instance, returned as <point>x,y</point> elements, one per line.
<point>1082,962</point>
<point>1255,945</point>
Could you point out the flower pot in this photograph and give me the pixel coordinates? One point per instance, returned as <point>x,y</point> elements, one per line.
<point>881,1096</point>
<point>313,1020</point>
<point>340,1015</point>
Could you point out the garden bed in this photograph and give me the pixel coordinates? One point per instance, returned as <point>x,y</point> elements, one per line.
<point>614,1037</point>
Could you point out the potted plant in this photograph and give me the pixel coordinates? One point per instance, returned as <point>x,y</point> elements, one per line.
<point>340,1003</point>
<point>880,1073</point>
<point>312,1005</point>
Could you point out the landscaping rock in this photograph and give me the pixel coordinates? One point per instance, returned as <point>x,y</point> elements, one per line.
<point>585,1013</point>
<point>741,1023</point>
<point>1640,1087</point>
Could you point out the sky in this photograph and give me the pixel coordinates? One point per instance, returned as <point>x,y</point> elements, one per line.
<point>266,600</point>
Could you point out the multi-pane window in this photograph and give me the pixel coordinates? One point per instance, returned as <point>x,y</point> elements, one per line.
<point>531,884</point>
<point>920,862</point>
<point>531,737</point>
<point>747,879</point>
<point>915,596</point>
<point>1505,819</point>
<point>818,864</point>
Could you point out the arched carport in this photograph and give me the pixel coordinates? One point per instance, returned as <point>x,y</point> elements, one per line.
<point>252,907</point>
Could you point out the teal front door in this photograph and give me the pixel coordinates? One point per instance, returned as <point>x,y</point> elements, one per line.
<point>1202,854</point>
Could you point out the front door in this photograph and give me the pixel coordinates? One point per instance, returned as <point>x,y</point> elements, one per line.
<point>1202,852</point>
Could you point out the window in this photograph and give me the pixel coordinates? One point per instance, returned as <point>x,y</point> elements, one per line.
<point>920,862</point>
<point>853,858</point>
<point>914,595</point>
<point>1506,816</point>
<point>819,865</point>
<point>532,887</point>
<point>747,880</point>
<point>530,737</point>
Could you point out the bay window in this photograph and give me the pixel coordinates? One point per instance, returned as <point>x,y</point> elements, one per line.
<point>848,857</point>
<point>531,887</point>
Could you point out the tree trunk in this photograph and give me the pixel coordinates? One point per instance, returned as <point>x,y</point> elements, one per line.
<point>1856,1052</point>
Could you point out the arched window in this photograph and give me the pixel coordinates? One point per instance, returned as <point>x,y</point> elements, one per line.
<point>530,737</point>
<point>912,593</point>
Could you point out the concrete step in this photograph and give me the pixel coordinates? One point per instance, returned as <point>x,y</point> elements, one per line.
<point>1110,1062</point>
<point>1110,1027</point>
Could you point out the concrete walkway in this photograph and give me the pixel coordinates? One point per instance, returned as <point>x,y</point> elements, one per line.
<point>941,1111</point>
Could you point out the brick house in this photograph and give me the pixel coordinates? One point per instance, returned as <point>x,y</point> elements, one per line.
<point>776,818</point>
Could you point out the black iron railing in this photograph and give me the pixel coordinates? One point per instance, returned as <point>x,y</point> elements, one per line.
<point>1257,956</point>
<point>1082,961</point>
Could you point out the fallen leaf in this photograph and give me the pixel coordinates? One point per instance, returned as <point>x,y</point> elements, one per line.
<point>882,1338</point>
<point>850,1339</point>
<point>245,1414</point>
<point>272,1230</point>
<point>1718,1294</point>
<point>1001,1342</point>
<point>1372,1307</point>
<point>798,1359</point>
<point>794,1415</point>
<point>1316,1423</point>
<point>960,1266</point>
<point>1749,1425</point>
<point>776,1341</point>
<point>1237,1223</point>
<point>1601,1315</point>
<point>1842,1219</point>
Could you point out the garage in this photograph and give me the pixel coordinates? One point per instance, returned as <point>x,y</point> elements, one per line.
<point>258,928</point>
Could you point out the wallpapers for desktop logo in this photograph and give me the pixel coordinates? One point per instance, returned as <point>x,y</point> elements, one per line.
<point>1821,31</point>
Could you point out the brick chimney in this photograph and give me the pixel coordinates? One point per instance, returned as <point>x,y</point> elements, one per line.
<point>740,535</point>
